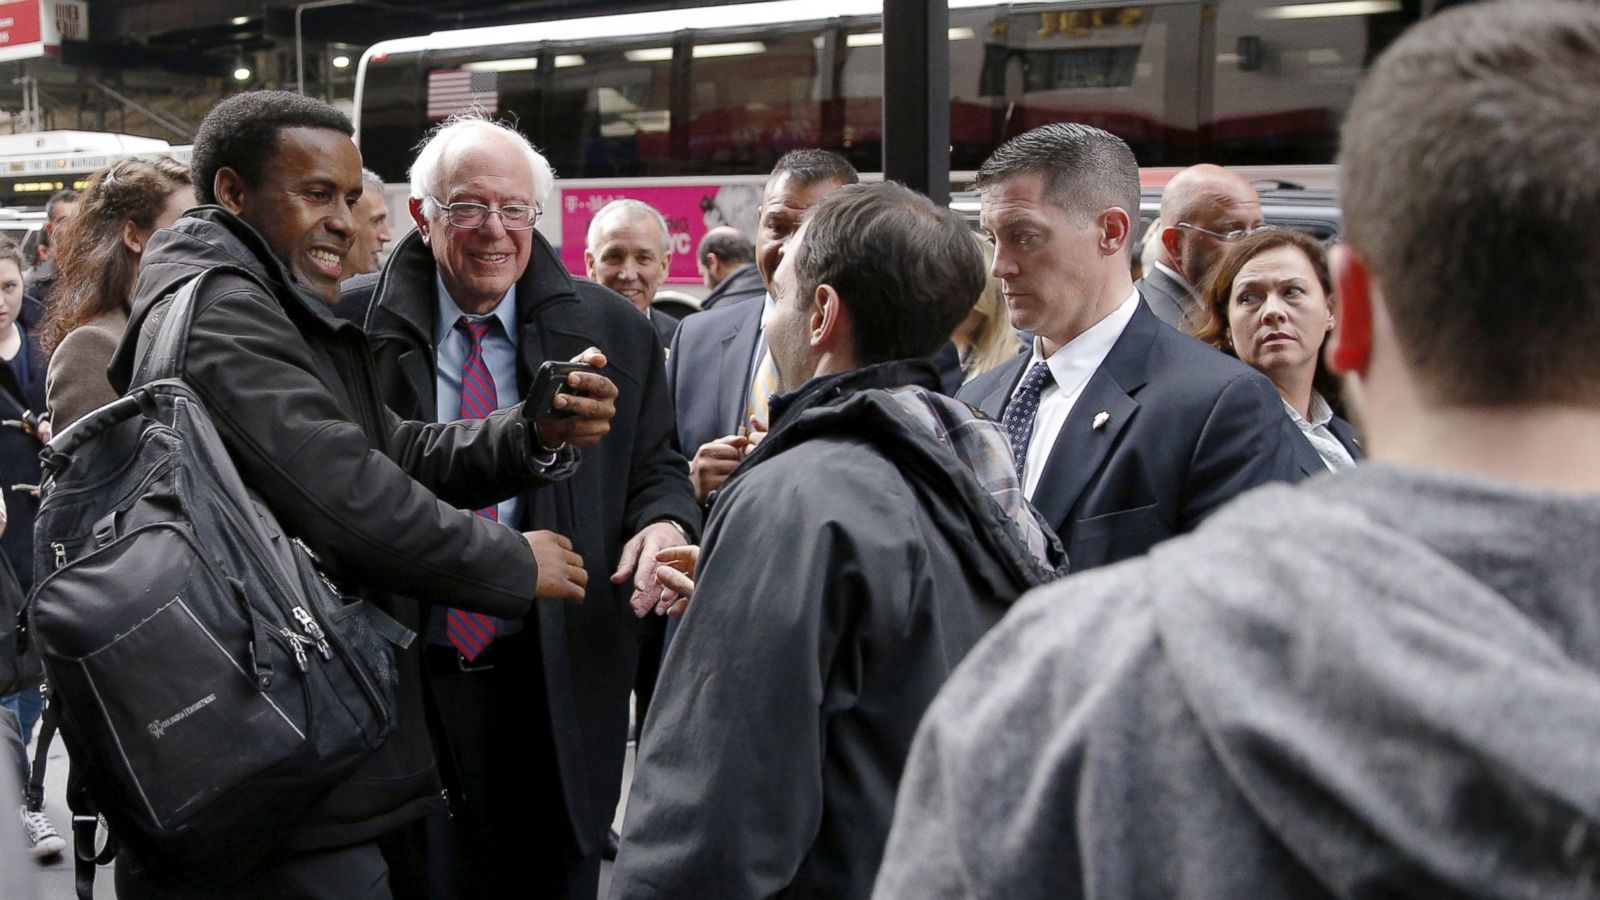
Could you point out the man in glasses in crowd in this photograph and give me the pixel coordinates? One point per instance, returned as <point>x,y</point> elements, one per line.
<point>1203,209</point>
<point>533,710</point>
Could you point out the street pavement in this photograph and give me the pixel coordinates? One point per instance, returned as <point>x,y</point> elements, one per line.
<point>55,881</point>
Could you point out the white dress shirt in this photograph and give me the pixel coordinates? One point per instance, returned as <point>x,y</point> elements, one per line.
<point>1071,367</point>
<point>1322,438</point>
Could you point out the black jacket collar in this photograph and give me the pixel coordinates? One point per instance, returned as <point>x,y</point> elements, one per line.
<point>405,288</point>
<point>206,238</point>
<point>787,409</point>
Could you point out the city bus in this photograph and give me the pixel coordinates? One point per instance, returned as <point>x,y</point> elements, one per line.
<point>688,109</point>
<point>35,165</point>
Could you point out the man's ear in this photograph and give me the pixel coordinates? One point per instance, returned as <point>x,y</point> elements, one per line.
<point>229,188</point>
<point>829,319</point>
<point>1114,230</point>
<point>588,265</point>
<point>1172,242</point>
<point>1350,346</point>
<point>415,206</point>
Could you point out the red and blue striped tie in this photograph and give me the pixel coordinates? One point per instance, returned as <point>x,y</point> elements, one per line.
<point>471,632</point>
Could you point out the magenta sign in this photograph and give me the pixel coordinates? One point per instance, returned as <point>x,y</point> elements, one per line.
<point>684,208</point>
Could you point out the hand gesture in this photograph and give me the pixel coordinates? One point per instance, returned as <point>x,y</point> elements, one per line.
<point>644,546</point>
<point>714,462</point>
<point>561,572</point>
<point>675,572</point>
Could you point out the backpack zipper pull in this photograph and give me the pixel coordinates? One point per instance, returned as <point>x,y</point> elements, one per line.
<point>309,624</point>
<point>60,551</point>
<point>298,642</point>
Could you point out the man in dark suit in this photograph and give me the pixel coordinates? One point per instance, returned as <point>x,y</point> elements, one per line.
<point>536,721</point>
<point>1125,432</point>
<point>717,355</point>
<point>1203,209</point>
<point>727,261</point>
<point>629,250</point>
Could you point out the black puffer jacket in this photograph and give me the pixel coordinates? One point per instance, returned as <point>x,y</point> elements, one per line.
<point>291,390</point>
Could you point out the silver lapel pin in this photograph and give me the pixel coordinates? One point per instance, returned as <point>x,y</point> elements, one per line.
<point>1100,420</point>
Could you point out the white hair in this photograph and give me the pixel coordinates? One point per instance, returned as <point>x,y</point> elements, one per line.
<point>425,171</point>
<point>632,208</point>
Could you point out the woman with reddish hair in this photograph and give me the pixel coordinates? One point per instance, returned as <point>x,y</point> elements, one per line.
<point>1269,301</point>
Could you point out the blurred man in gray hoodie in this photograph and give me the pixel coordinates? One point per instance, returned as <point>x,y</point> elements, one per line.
<point>1381,683</point>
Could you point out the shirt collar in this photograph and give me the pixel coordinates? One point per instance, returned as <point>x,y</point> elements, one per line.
<point>450,313</point>
<point>1321,412</point>
<point>1088,350</point>
<point>1172,273</point>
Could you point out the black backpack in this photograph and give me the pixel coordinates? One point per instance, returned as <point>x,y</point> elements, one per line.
<point>210,683</point>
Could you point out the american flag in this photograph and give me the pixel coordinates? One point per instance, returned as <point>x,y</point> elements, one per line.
<point>452,91</point>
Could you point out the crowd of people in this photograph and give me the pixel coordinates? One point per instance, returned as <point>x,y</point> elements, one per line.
<point>920,564</point>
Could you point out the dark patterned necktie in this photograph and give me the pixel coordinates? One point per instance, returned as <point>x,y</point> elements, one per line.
<point>1021,411</point>
<point>471,632</point>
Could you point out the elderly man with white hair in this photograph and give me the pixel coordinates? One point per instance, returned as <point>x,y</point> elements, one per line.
<point>533,712</point>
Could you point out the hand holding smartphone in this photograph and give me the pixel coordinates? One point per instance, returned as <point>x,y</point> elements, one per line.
<point>551,380</point>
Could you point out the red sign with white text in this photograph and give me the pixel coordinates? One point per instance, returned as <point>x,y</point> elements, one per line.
<point>20,24</point>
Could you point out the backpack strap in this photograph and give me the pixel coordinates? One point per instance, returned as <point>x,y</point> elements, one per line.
<point>163,356</point>
<point>85,818</point>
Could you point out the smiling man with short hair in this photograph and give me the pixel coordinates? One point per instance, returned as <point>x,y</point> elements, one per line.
<point>292,393</point>
<point>629,250</point>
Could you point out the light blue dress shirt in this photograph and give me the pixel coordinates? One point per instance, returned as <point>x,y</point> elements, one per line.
<point>500,353</point>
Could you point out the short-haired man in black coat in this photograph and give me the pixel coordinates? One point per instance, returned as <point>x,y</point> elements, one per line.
<point>291,391</point>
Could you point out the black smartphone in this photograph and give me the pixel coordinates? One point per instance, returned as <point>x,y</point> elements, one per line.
<point>551,380</point>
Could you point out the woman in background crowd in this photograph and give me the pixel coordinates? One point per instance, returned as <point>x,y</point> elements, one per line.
<point>1269,302</point>
<point>985,339</point>
<point>23,429</point>
<point>97,257</point>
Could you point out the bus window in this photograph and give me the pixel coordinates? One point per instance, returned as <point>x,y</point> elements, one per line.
<point>607,113</point>
<point>391,115</point>
<point>723,91</point>
<point>751,101</point>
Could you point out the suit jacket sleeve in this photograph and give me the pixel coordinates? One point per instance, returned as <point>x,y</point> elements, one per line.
<point>1247,441</point>
<point>727,796</point>
<point>658,485</point>
<point>322,476</point>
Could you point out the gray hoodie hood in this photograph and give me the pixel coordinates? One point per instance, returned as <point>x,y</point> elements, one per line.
<point>1376,684</point>
<point>1398,671</point>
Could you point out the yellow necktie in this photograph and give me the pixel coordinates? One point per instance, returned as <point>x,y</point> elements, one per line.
<point>762,387</point>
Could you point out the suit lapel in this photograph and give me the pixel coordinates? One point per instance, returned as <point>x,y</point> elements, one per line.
<point>1006,377</point>
<point>1306,455</point>
<point>1347,436</point>
<point>417,367</point>
<point>1081,449</point>
<point>733,375</point>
